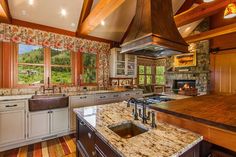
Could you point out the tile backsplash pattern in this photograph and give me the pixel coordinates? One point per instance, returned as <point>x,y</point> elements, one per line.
<point>26,91</point>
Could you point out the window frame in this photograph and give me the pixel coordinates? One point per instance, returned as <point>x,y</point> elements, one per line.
<point>163,75</point>
<point>82,71</point>
<point>50,65</point>
<point>145,74</point>
<point>47,68</point>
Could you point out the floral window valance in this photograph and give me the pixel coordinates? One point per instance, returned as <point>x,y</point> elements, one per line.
<point>30,36</point>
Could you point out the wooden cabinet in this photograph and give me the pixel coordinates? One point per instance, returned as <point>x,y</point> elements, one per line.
<point>76,102</point>
<point>104,150</point>
<point>122,65</point>
<point>48,122</point>
<point>85,138</point>
<point>12,122</point>
<point>89,144</point>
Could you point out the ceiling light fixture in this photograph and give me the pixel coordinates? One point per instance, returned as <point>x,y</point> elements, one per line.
<point>63,12</point>
<point>103,23</point>
<point>230,10</point>
<point>31,2</point>
<point>208,1</point>
<point>72,24</point>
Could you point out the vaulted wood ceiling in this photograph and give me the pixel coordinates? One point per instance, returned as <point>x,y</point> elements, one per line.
<point>84,16</point>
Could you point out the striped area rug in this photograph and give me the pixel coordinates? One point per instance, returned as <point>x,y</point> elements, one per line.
<point>58,147</point>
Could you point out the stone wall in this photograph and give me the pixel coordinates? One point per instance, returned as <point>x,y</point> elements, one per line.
<point>200,72</point>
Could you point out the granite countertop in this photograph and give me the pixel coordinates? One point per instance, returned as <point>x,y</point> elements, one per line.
<point>28,96</point>
<point>164,141</point>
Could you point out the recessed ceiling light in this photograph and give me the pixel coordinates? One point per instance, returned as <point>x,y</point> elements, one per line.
<point>103,23</point>
<point>63,12</point>
<point>23,12</point>
<point>72,24</point>
<point>31,2</point>
<point>188,28</point>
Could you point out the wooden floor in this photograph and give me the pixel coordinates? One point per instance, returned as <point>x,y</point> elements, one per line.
<point>59,147</point>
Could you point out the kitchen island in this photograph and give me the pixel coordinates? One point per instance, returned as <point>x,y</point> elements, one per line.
<point>212,116</point>
<point>95,136</point>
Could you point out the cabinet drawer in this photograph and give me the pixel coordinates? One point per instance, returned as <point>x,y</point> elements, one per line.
<point>12,105</point>
<point>86,137</point>
<point>104,150</point>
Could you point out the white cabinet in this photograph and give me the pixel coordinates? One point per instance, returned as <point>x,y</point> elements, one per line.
<point>39,124</point>
<point>12,122</point>
<point>76,102</point>
<point>122,65</point>
<point>59,120</point>
<point>48,122</point>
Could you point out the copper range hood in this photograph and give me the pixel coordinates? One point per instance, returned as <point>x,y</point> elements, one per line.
<point>153,31</point>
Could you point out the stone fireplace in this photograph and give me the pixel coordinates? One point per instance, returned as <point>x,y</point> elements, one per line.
<point>177,84</point>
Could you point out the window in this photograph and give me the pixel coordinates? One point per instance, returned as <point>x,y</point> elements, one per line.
<point>145,74</point>
<point>89,68</point>
<point>148,75</point>
<point>30,64</point>
<point>61,66</point>
<point>141,76</point>
<point>160,75</point>
<point>35,63</point>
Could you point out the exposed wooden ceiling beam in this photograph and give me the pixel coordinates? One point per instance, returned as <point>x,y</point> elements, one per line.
<point>187,5</point>
<point>87,5</point>
<point>212,33</point>
<point>201,11</point>
<point>5,15</point>
<point>103,9</point>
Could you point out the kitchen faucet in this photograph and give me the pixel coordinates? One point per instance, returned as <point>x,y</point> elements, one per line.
<point>144,115</point>
<point>135,112</point>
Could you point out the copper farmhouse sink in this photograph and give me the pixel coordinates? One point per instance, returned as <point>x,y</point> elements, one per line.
<point>46,102</point>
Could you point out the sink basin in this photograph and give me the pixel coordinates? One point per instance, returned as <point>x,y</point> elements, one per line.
<point>46,102</point>
<point>128,129</point>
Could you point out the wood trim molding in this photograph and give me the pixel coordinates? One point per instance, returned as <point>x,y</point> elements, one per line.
<point>212,33</point>
<point>211,134</point>
<point>1,65</point>
<point>7,65</point>
<point>42,27</point>
<point>199,12</point>
<point>5,15</point>
<point>101,11</point>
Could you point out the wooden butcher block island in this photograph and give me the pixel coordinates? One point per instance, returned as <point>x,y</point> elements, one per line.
<point>213,116</point>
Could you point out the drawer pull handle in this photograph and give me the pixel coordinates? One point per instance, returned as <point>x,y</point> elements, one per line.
<point>89,135</point>
<point>116,95</point>
<point>102,96</point>
<point>11,105</point>
<point>83,97</point>
<point>82,123</point>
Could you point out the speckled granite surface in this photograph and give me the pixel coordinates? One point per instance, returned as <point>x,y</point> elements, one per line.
<point>163,141</point>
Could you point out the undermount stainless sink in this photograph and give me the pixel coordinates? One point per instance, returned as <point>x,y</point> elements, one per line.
<point>46,102</point>
<point>128,129</point>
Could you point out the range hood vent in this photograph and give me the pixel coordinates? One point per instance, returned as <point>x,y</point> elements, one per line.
<point>153,31</point>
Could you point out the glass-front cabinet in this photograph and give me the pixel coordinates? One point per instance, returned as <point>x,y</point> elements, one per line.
<point>122,65</point>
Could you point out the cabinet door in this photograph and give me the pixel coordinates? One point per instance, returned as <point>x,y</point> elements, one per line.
<point>59,120</point>
<point>39,124</point>
<point>12,126</point>
<point>86,137</point>
<point>76,102</point>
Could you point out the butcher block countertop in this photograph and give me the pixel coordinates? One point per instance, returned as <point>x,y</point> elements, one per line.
<point>215,110</point>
